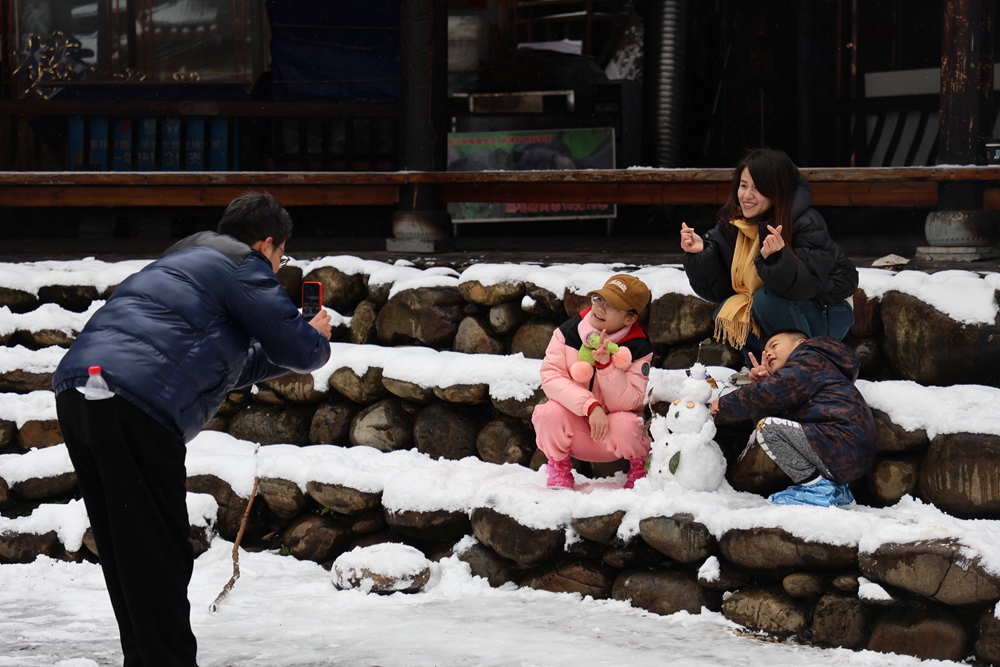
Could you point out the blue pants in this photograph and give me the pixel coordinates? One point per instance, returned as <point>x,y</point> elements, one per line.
<point>776,313</point>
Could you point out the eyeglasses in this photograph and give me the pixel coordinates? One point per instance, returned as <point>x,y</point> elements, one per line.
<point>597,301</point>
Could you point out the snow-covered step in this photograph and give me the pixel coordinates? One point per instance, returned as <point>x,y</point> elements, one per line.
<point>49,324</point>
<point>63,530</point>
<point>23,370</point>
<point>951,430</point>
<point>28,421</point>
<point>37,475</point>
<point>587,541</point>
<point>899,316</point>
<point>73,284</point>
<point>698,544</point>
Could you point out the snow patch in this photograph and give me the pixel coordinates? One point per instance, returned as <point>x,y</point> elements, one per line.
<point>977,304</point>
<point>23,408</point>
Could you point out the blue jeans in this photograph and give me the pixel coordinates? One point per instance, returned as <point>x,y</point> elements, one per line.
<point>776,313</point>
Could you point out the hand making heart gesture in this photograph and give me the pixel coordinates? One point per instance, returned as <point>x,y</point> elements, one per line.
<point>690,241</point>
<point>773,243</point>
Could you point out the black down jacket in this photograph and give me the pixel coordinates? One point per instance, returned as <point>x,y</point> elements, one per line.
<point>176,337</point>
<point>818,271</point>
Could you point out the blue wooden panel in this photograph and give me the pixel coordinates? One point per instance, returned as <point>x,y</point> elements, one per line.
<point>75,141</point>
<point>122,156</point>
<point>98,144</point>
<point>236,144</point>
<point>171,146</point>
<point>194,145</point>
<point>218,154</point>
<point>146,149</point>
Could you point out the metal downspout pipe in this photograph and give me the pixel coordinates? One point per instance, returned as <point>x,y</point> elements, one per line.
<point>666,75</point>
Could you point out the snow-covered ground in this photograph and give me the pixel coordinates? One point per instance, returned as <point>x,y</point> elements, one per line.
<point>287,612</point>
<point>284,612</point>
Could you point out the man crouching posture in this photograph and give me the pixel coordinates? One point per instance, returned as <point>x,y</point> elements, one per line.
<point>811,419</point>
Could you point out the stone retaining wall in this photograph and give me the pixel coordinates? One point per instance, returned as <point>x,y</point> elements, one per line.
<point>931,600</point>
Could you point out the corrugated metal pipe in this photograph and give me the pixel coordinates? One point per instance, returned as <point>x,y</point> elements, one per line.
<point>666,75</point>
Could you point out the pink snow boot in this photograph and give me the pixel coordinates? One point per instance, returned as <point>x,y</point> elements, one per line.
<point>636,471</point>
<point>561,473</point>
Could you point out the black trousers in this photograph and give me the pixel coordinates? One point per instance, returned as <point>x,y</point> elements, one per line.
<point>132,476</point>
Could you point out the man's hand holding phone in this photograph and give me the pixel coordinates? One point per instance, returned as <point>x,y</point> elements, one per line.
<point>321,323</point>
<point>312,307</point>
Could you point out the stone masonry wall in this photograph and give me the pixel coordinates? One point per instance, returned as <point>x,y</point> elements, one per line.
<point>937,603</point>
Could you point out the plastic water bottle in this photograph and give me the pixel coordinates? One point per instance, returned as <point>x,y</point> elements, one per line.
<point>96,388</point>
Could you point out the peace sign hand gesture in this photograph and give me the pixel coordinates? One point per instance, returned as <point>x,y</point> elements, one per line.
<point>773,243</point>
<point>759,370</point>
<point>601,354</point>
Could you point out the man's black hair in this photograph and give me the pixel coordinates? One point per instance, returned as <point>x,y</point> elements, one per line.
<point>254,216</point>
<point>791,333</point>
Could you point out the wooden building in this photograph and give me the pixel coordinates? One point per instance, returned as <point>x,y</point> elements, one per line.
<point>154,109</point>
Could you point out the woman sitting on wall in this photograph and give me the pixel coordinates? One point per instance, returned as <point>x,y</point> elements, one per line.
<point>770,262</point>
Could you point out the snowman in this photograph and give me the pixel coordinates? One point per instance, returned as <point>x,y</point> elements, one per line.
<point>683,450</point>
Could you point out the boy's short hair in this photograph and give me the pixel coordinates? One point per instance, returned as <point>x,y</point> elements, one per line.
<point>791,333</point>
<point>255,216</point>
<point>624,292</point>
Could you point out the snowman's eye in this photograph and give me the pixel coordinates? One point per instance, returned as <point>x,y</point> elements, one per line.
<point>690,404</point>
<point>677,402</point>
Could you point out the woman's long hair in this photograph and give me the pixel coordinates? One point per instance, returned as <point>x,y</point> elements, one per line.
<point>776,177</point>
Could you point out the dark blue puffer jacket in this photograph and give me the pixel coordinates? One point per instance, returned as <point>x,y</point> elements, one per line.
<point>207,317</point>
<point>815,388</point>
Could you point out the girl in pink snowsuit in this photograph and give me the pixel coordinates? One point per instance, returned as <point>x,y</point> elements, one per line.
<point>595,373</point>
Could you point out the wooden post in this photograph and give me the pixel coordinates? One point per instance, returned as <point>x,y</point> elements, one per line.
<point>966,89</point>
<point>960,226</point>
<point>423,124</point>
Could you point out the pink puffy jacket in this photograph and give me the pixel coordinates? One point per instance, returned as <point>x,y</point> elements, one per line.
<point>616,390</point>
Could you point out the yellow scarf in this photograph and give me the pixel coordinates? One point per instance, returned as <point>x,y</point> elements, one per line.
<point>734,321</point>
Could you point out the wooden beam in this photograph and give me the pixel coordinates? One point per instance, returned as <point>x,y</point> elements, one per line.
<point>825,194</point>
<point>589,193</point>
<point>192,195</point>
<point>207,178</point>
<point>917,194</point>
<point>916,187</point>
<point>35,107</point>
<point>991,199</point>
<point>813,175</point>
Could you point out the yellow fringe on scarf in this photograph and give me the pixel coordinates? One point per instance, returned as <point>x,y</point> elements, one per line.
<point>735,321</point>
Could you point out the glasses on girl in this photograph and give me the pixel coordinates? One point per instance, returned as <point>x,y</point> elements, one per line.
<point>598,302</point>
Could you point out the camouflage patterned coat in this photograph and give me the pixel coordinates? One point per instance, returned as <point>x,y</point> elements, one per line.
<point>815,388</point>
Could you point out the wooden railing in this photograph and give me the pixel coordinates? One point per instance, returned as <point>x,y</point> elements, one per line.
<point>902,187</point>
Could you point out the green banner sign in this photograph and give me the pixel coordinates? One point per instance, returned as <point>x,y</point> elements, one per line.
<point>592,148</point>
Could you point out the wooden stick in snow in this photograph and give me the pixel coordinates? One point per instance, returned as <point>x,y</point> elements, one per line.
<point>214,607</point>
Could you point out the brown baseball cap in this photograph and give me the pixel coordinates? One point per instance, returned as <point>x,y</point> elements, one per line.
<point>624,292</point>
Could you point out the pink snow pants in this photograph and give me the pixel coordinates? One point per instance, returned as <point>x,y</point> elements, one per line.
<point>560,433</point>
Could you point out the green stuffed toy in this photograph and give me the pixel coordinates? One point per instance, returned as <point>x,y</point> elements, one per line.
<point>589,345</point>
<point>582,370</point>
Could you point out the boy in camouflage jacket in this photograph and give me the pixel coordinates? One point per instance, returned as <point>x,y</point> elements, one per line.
<point>811,419</point>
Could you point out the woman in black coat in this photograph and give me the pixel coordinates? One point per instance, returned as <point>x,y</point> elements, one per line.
<point>770,263</point>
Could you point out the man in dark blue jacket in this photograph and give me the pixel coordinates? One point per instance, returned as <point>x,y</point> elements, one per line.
<point>813,422</point>
<point>171,342</point>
